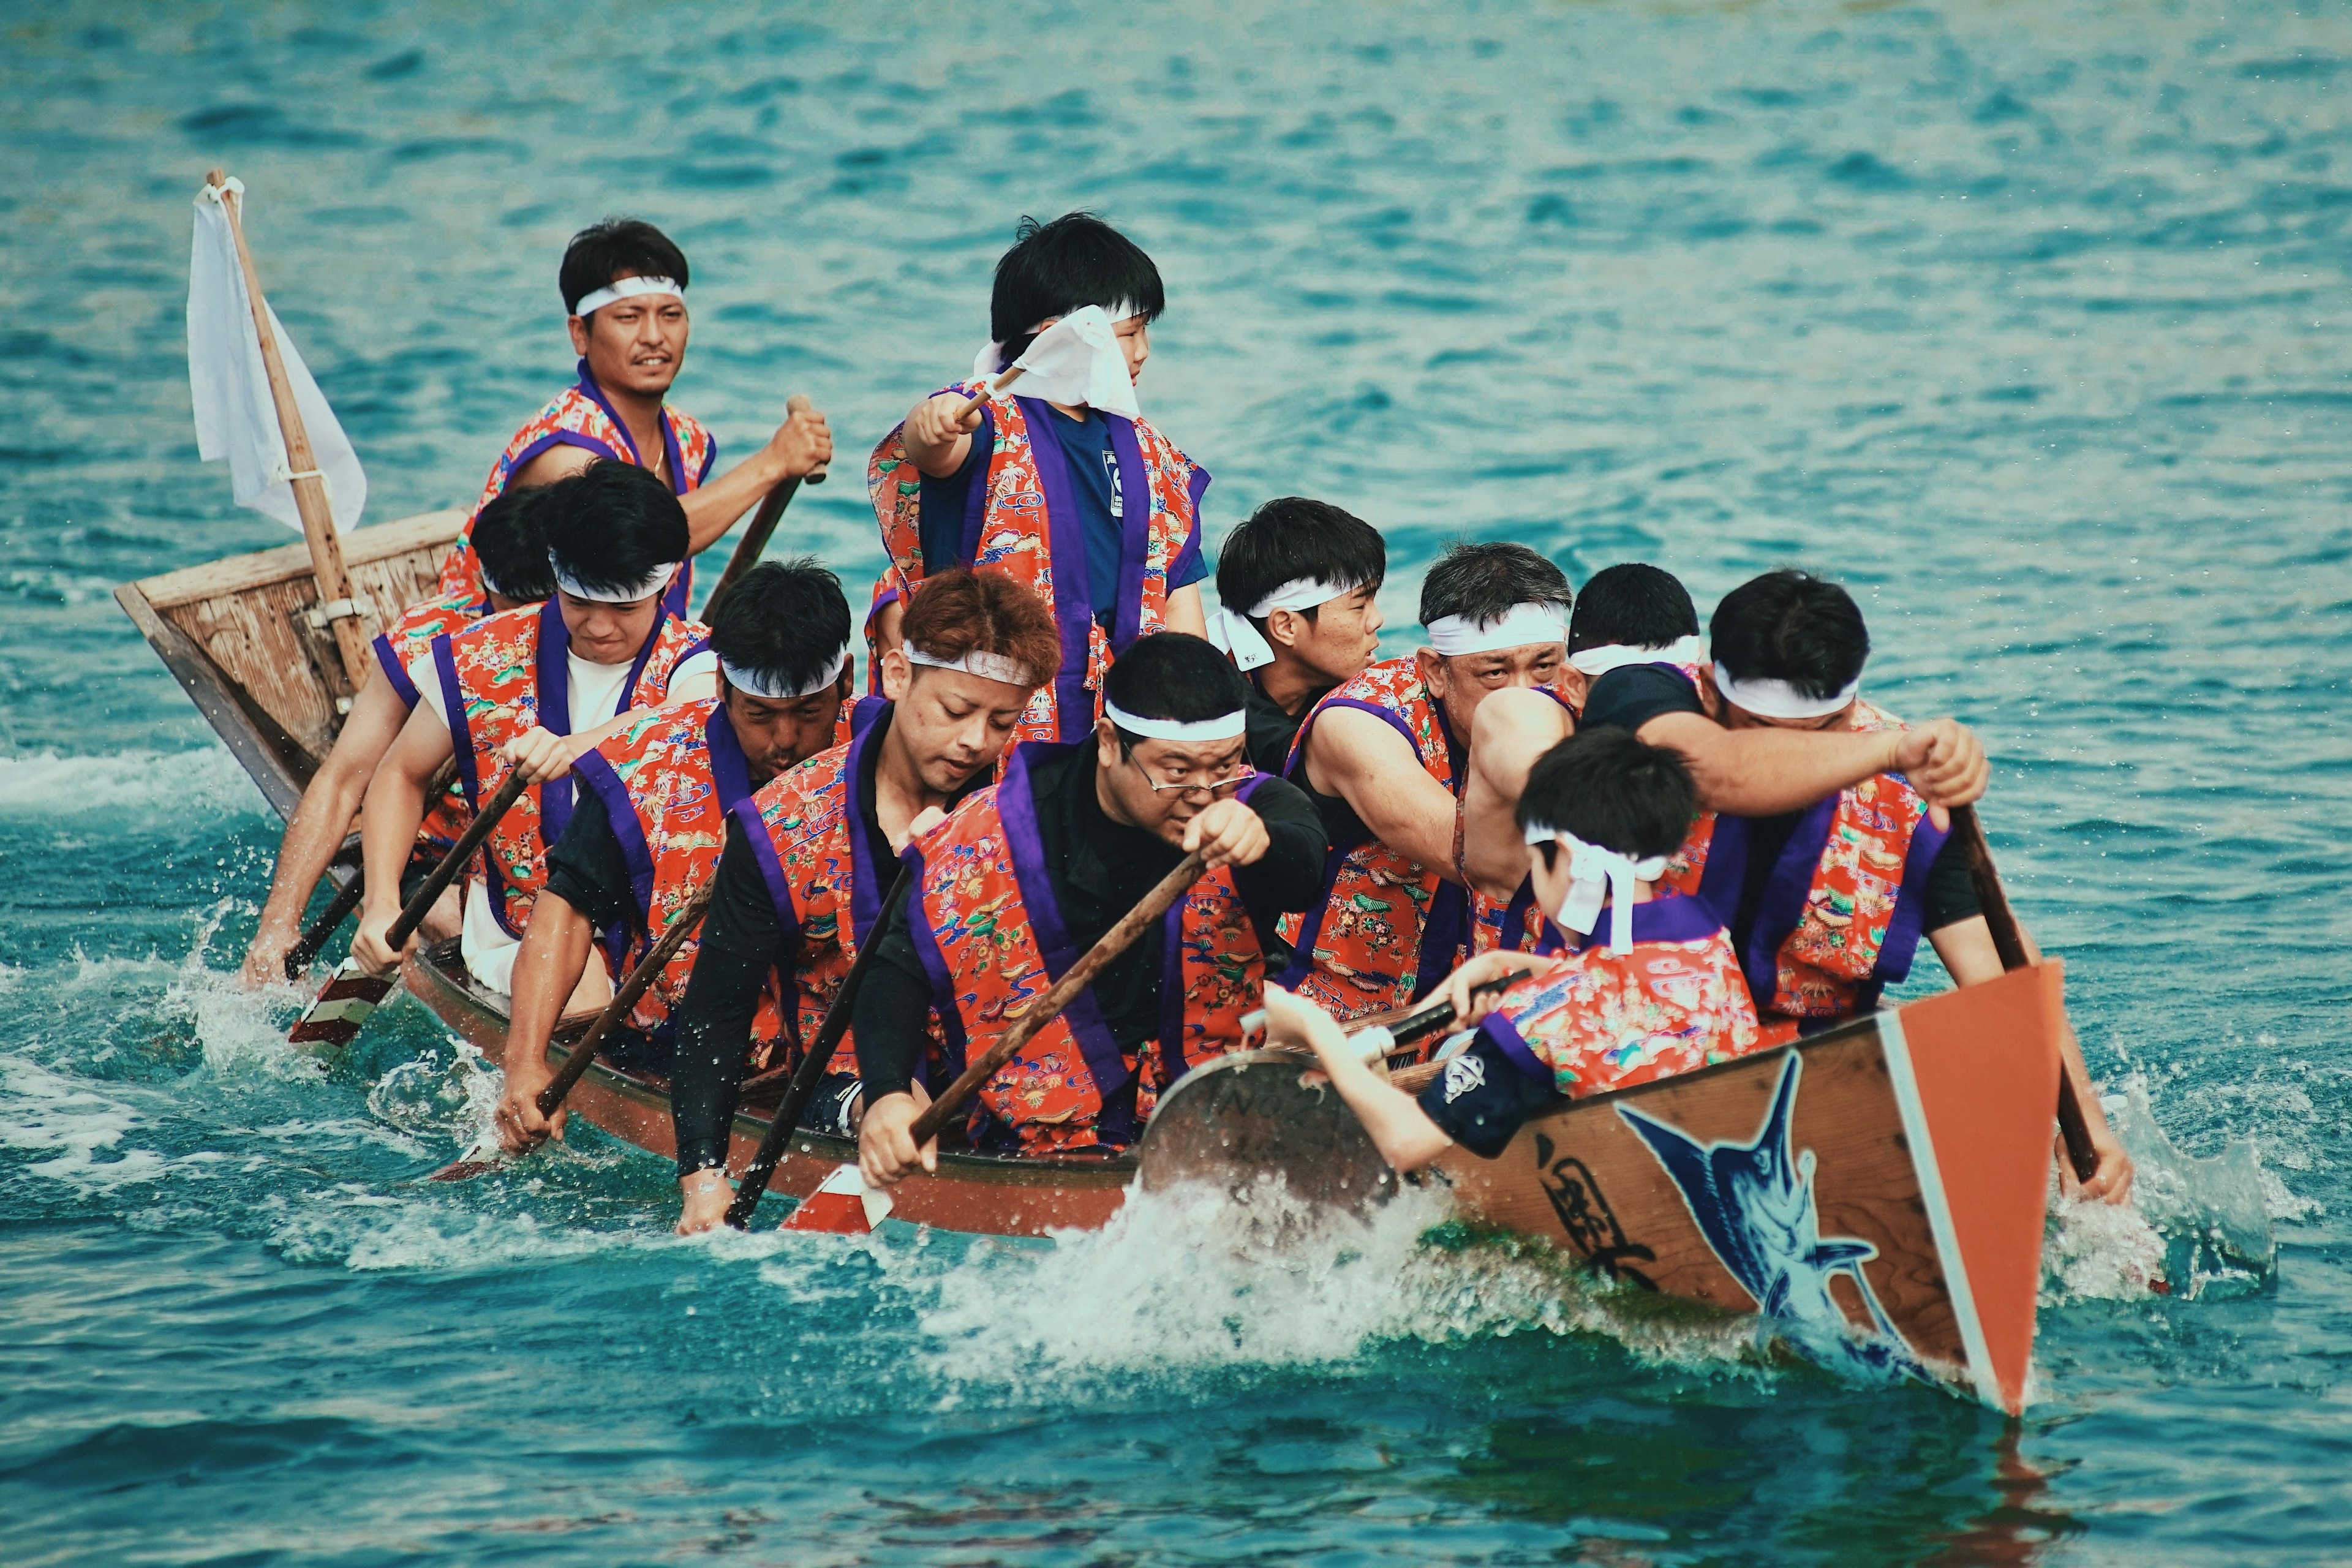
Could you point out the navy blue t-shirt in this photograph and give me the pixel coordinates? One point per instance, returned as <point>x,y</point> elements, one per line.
<point>1094,486</point>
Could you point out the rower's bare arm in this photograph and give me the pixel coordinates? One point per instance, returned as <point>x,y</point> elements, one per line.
<point>1967,950</point>
<point>1366,762</point>
<point>320,824</point>
<point>801,443</point>
<point>1401,1129</point>
<point>1184,611</point>
<point>1765,772</point>
<point>394,809</point>
<point>1513,728</point>
<point>541,754</point>
<point>555,948</point>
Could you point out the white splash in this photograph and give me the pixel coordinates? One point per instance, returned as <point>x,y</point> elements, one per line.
<point>69,1120</point>
<point>206,781</point>
<point>1190,1279</point>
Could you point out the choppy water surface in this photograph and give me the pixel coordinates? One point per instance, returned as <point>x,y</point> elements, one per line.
<point>2028,320</point>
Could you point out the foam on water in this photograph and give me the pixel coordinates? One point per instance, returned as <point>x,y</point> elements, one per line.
<point>205,781</point>
<point>1190,1279</point>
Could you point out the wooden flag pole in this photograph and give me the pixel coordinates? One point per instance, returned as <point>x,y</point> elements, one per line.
<point>336,606</point>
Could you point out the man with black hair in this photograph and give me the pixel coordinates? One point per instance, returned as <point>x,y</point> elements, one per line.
<point>1089,508</point>
<point>515,572</point>
<point>1026,876</point>
<point>1632,613</point>
<point>1632,982</point>
<point>810,860</point>
<point>623,286</point>
<point>1298,584</point>
<point>1386,756</point>
<point>645,832</point>
<point>531,691</point>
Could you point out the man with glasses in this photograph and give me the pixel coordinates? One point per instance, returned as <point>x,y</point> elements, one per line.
<point>1026,876</point>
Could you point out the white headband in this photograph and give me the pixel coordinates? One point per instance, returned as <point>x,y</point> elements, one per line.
<point>752,684</point>
<point>987,665</point>
<point>1231,630</point>
<point>1597,662</point>
<point>1224,727</point>
<point>626,289</point>
<point>1592,870</point>
<point>1778,699</point>
<point>1517,628</point>
<point>629,595</point>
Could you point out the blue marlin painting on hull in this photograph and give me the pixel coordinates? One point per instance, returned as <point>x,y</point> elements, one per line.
<point>1753,1204</point>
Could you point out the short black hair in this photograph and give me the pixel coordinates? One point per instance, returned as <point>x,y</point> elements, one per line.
<point>613,525</point>
<point>512,546</point>
<point>1794,626</point>
<point>1609,788</point>
<point>1057,267</point>
<point>604,251</point>
<point>1174,675</point>
<point>783,621</point>
<point>1483,581</point>
<point>1291,537</point>
<point>1635,605</point>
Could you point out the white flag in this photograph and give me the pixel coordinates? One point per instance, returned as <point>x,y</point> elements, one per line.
<point>236,418</point>
<point>1076,360</point>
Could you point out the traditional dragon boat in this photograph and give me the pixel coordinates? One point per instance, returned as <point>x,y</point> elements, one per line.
<point>1879,1189</point>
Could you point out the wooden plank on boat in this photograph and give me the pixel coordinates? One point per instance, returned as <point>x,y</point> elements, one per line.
<point>247,616</point>
<point>278,766</point>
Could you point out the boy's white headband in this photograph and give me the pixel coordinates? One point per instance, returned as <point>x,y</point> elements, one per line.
<point>628,595</point>
<point>1517,628</point>
<point>751,683</point>
<point>1224,727</point>
<point>624,288</point>
<point>1593,871</point>
<point>987,665</point>
<point>1597,662</point>
<point>1231,629</point>
<point>1778,699</point>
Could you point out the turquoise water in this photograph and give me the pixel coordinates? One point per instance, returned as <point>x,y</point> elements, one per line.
<point>2029,321</point>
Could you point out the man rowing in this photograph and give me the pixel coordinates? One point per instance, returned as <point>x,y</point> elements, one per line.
<point>623,285</point>
<point>1825,842</point>
<point>646,831</point>
<point>514,572</point>
<point>809,862</point>
<point>1385,756</point>
<point>1632,982</point>
<point>1061,484</point>
<point>1026,876</point>
<point>531,690</point>
<point>1297,583</point>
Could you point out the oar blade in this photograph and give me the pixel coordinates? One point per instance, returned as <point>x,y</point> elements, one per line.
<point>475,1162</point>
<point>843,1206</point>
<point>333,1019</point>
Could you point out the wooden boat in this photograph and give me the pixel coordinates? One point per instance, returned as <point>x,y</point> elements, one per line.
<point>1886,1178</point>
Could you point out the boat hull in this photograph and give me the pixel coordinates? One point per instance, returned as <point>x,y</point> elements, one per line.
<point>971,1192</point>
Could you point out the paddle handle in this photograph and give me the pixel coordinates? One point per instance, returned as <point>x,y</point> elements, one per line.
<point>1048,1007</point>
<point>2010,942</point>
<point>412,913</point>
<point>755,542</point>
<point>309,491</point>
<point>640,980</point>
<point>812,1066</point>
<point>319,931</point>
<point>995,389</point>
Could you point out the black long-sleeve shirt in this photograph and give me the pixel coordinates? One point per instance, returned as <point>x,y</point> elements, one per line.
<point>742,939</point>
<point>1099,871</point>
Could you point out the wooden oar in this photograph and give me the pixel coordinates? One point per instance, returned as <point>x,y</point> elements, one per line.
<point>2010,942</point>
<point>755,542</point>
<point>813,1067</point>
<point>485,1157</point>
<point>352,992</point>
<point>321,932</point>
<point>845,1204</point>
